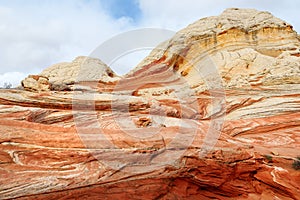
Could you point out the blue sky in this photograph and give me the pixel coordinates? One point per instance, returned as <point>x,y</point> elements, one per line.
<point>123,8</point>
<point>35,34</point>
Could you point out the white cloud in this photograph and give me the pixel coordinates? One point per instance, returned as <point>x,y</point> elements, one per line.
<point>12,78</point>
<point>178,14</point>
<point>35,34</point>
<point>128,61</point>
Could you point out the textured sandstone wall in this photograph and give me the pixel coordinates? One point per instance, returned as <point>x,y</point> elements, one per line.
<point>213,113</point>
<point>248,48</point>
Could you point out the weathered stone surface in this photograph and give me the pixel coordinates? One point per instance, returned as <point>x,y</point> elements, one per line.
<point>64,75</point>
<point>247,48</point>
<point>36,83</point>
<point>162,133</point>
<point>80,69</point>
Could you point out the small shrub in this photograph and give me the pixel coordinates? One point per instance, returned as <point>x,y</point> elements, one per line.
<point>7,85</point>
<point>269,158</point>
<point>296,163</point>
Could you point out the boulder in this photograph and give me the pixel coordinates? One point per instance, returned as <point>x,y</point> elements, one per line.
<point>36,83</point>
<point>81,69</point>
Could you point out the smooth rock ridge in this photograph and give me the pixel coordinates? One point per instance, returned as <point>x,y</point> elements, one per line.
<point>247,47</point>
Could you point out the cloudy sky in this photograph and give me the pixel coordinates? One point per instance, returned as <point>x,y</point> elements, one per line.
<point>35,34</point>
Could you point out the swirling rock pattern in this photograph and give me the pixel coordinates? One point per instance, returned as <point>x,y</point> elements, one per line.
<point>213,113</point>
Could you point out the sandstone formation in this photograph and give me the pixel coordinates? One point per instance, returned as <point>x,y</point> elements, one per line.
<point>36,83</point>
<point>213,113</point>
<point>249,48</point>
<point>81,69</point>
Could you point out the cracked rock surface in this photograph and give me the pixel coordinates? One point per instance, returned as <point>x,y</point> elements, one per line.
<point>212,113</point>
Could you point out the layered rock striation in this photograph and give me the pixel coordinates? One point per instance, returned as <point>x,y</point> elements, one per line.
<point>246,48</point>
<point>212,113</point>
